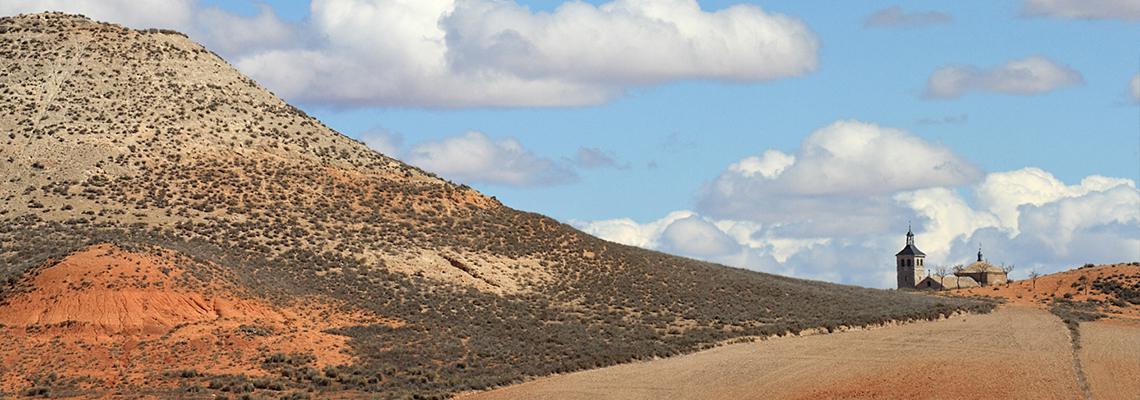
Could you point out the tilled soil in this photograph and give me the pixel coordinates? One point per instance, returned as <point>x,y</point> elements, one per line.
<point>1016,352</point>
<point>1110,355</point>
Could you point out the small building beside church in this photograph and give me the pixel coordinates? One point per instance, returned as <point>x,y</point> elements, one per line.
<point>939,282</point>
<point>910,266</point>
<point>983,272</point>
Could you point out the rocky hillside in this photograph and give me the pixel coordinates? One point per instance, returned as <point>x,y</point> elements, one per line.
<point>154,199</point>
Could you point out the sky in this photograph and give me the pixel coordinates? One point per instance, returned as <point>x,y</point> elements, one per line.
<point>793,137</point>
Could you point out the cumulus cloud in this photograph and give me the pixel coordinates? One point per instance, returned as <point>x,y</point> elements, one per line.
<point>629,232</point>
<point>478,53</point>
<point>177,14</point>
<point>837,209</point>
<point>858,157</point>
<point>750,245</point>
<point>1027,76</point>
<point>499,53</point>
<point>698,237</point>
<point>1029,217</point>
<point>768,165</point>
<point>1101,226</point>
<point>223,32</point>
<point>475,157</point>
<point>894,16</point>
<point>947,217</point>
<point>229,34</point>
<point>1097,220</point>
<point>1004,193</point>
<point>840,181</point>
<point>1084,9</point>
<point>1055,224</point>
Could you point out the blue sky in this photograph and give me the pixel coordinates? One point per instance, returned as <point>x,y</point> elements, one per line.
<point>872,74</point>
<point>1010,124</point>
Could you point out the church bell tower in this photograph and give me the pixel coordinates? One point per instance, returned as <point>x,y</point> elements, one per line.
<point>909,263</point>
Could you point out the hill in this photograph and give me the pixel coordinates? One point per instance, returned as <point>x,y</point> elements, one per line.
<point>168,228</point>
<point>1112,290</point>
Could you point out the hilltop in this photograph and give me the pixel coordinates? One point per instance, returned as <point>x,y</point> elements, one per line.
<point>1111,289</point>
<point>168,228</point>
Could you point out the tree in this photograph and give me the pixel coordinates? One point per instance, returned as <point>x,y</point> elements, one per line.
<point>1033,276</point>
<point>941,270</point>
<point>1007,269</point>
<point>958,270</point>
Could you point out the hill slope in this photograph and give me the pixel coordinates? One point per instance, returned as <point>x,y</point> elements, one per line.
<point>1112,290</point>
<point>145,143</point>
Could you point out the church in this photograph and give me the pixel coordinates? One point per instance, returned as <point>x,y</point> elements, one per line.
<point>910,264</point>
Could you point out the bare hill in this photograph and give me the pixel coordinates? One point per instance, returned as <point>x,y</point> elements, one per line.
<point>1110,289</point>
<point>146,143</point>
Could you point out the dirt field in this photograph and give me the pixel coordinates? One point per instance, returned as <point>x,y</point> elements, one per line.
<point>1017,352</point>
<point>1110,353</point>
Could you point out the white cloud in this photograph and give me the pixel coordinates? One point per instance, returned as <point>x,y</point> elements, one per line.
<point>948,218</point>
<point>498,53</point>
<point>634,41</point>
<point>475,157</point>
<point>478,53</point>
<point>1084,9</point>
<point>769,165</point>
<point>1055,224</point>
<point>1027,76</point>
<point>227,33</point>
<point>1004,193</point>
<point>175,14</point>
<point>894,16</point>
<point>838,207</point>
<point>1134,87</point>
<point>697,237</point>
<point>1061,226</point>
<point>840,181</point>
<point>629,232</point>
<point>221,31</point>
<point>857,157</point>
<point>1100,226</point>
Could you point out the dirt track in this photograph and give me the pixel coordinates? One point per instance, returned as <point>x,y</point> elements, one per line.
<point>1017,352</point>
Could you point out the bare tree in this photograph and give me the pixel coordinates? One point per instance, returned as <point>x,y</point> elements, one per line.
<point>941,270</point>
<point>1007,269</point>
<point>1033,276</point>
<point>958,279</point>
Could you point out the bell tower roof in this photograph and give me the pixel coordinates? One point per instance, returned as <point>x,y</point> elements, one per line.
<point>910,249</point>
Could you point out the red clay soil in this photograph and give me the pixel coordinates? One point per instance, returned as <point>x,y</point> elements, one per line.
<point>106,318</point>
<point>1075,283</point>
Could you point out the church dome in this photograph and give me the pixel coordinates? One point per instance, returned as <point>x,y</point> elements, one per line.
<point>981,266</point>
